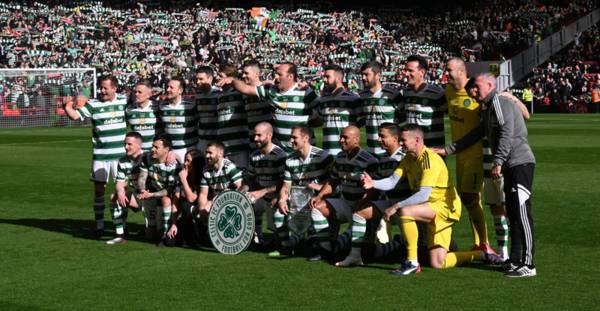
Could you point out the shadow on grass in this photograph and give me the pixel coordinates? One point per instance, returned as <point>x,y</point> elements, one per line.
<point>77,228</point>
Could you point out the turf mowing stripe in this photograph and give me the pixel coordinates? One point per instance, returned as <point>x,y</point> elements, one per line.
<point>45,142</point>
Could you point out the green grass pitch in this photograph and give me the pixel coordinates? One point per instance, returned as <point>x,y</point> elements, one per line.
<point>47,264</point>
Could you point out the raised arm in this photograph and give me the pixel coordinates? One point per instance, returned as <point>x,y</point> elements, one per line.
<point>70,111</point>
<point>239,85</point>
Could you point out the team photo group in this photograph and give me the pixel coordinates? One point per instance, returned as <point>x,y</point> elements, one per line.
<point>213,156</point>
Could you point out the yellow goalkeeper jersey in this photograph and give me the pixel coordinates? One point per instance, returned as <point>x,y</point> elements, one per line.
<point>429,170</point>
<point>464,113</point>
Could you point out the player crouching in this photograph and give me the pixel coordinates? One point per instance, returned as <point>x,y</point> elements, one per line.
<point>128,170</point>
<point>156,182</point>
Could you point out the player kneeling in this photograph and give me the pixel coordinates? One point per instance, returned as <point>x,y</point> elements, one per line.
<point>306,169</point>
<point>218,175</point>
<point>156,182</point>
<point>434,201</point>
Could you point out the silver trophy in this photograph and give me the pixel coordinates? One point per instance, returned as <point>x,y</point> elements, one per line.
<point>299,219</point>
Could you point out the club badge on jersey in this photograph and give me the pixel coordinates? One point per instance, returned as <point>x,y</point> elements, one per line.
<point>231,222</point>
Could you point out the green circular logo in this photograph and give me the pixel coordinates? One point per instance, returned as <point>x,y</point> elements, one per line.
<point>467,102</point>
<point>231,222</point>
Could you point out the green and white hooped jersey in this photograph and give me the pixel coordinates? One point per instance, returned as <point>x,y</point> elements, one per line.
<point>232,122</point>
<point>337,111</point>
<point>144,121</point>
<point>180,123</point>
<point>387,166</point>
<point>108,127</point>
<point>128,170</point>
<point>378,108</point>
<point>257,110</point>
<point>267,169</point>
<point>160,175</point>
<point>347,171</point>
<point>206,105</point>
<point>314,169</point>
<point>221,179</point>
<point>426,108</point>
<point>290,108</point>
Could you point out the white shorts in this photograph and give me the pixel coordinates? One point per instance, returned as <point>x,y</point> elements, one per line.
<point>493,191</point>
<point>343,209</point>
<point>240,159</point>
<point>101,170</point>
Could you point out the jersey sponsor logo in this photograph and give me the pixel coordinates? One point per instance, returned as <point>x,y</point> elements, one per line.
<point>467,102</point>
<point>284,112</point>
<point>231,222</point>
<point>143,127</point>
<point>331,110</point>
<point>113,121</point>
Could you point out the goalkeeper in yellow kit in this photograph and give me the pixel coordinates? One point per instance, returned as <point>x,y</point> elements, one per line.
<point>464,114</point>
<point>433,201</point>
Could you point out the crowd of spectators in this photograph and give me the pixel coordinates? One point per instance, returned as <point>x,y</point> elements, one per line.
<point>137,41</point>
<point>569,80</point>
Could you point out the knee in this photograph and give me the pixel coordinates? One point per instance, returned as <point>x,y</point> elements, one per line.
<point>322,208</point>
<point>436,264</point>
<point>403,213</point>
<point>365,213</point>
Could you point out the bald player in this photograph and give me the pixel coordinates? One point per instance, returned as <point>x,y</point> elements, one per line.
<point>327,212</point>
<point>264,174</point>
<point>464,113</point>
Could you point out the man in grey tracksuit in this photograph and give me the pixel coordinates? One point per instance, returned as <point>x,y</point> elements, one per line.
<point>505,130</point>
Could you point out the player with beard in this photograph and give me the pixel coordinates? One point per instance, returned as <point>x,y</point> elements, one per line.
<point>264,174</point>
<point>379,105</point>
<point>337,108</point>
<point>206,104</point>
<point>219,174</point>
<point>291,105</point>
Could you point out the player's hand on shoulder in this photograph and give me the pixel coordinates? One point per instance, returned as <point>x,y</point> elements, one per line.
<point>440,151</point>
<point>224,81</point>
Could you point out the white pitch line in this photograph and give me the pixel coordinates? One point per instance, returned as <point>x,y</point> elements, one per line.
<point>44,142</point>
